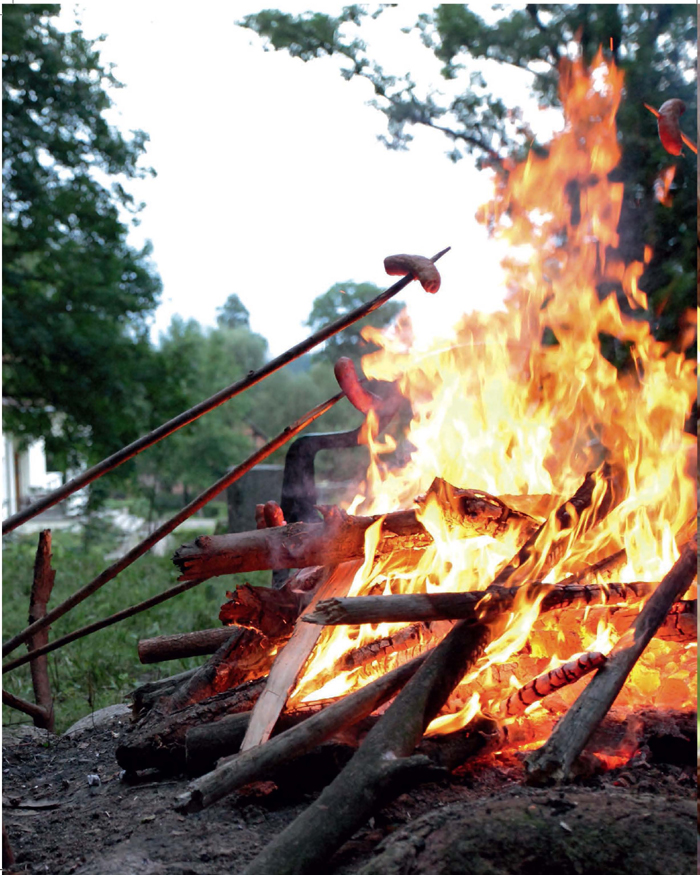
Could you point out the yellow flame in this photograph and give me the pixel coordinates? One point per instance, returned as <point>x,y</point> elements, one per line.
<point>525,401</point>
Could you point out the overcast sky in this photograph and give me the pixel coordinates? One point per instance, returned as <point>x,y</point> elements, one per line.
<point>271,181</point>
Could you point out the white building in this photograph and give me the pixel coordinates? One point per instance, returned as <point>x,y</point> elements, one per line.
<point>24,475</point>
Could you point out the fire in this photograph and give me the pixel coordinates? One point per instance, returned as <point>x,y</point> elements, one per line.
<point>524,402</point>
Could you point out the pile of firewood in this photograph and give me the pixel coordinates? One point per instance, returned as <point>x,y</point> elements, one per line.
<point>230,724</point>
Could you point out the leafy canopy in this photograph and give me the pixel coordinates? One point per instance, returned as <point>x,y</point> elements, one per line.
<point>78,367</point>
<point>654,44</point>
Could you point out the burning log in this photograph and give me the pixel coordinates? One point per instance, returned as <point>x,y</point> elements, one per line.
<point>423,607</point>
<point>555,759</point>
<point>545,547</point>
<point>251,765</point>
<point>550,681</point>
<point>679,625</point>
<point>290,661</point>
<point>382,766</point>
<point>339,538</point>
<point>273,612</point>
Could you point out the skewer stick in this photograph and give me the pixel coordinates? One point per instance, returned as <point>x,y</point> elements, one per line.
<point>128,452</point>
<point>145,545</point>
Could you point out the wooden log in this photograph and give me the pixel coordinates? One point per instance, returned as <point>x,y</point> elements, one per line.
<point>291,660</point>
<point>42,585</point>
<point>423,607</point>
<point>554,760</point>
<point>680,625</point>
<point>165,647</point>
<point>339,538</point>
<point>551,541</point>
<point>550,681</point>
<point>271,611</point>
<point>246,655</point>
<point>254,763</point>
<point>160,744</point>
<point>36,712</point>
<point>144,697</point>
<point>382,767</point>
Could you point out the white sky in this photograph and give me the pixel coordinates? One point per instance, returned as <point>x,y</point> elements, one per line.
<point>271,181</point>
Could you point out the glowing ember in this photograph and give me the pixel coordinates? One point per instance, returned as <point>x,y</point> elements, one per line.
<point>524,402</point>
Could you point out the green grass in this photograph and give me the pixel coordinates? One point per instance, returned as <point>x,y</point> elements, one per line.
<point>100,669</point>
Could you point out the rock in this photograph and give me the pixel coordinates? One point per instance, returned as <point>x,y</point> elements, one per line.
<point>99,719</point>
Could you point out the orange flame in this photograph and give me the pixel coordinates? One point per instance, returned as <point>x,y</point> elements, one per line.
<point>525,402</point>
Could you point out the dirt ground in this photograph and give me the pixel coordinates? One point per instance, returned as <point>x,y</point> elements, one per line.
<point>637,819</point>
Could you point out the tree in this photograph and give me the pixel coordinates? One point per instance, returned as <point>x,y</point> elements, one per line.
<point>233,313</point>
<point>198,361</point>
<point>339,300</point>
<point>655,45</point>
<point>78,366</point>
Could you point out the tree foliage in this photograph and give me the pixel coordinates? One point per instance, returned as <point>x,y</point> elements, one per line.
<point>338,301</point>
<point>655,45</point>
<point>233,313</point>
<point>78,366</point>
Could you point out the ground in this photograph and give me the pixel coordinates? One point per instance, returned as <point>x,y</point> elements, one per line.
<point>637,819</point>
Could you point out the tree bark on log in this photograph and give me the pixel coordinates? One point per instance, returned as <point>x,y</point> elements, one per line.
<point>165,647</point>
<point>206,744</point>
<point>424,607</point>
<point>42,585</point>
<point>254,763</point>
<point>339,538</point>
<point>554,760</point>
<point>143,698</point>
<point>160,744</point>
<point>291,660</point>
<point>245,656</point>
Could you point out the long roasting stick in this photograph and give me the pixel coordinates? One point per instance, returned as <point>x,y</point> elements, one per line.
<point>162,530</point>
<point>555,758</point>
<point>203,407</point>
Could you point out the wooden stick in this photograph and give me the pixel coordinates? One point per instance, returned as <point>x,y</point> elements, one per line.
<point>42,585</point>
<point>166,647</point>
<point>338,539</point>
<point>422,607</point>
<point>162,530</point>
<point>383,765</point>
<point>291,660</point>
<point>555,758</point>
<point>211,403</point>
<point>36,712</point>
<point>254,763</point>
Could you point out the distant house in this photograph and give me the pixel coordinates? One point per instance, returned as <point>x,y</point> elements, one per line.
<point>24,475</point>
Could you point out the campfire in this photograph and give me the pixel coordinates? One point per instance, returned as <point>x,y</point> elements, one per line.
<point>539,541</point>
